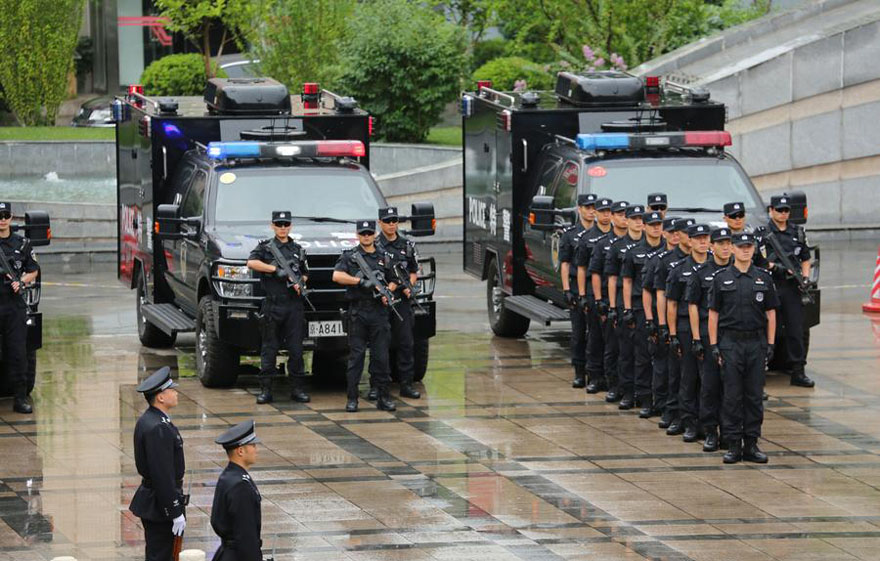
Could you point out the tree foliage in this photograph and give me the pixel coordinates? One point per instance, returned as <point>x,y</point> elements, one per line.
<point>506,72</point>
<point>37,42</point>
<point>404,63</point>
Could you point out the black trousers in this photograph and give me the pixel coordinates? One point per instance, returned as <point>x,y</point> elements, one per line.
<point>743,377</point>
<point>689,381</point>
<point>673,375</point>
<point>579,321</point>
<point>641,358</point>
<point>610,355</point>
<point>13,337</point>
<point>626,377</point>
<point>791,317</point>
<point>595,346</point>
<point>283,323</point>
<point>660,373</point>
<point>402,333</point>
<point>710,386</point>
<point>368,327</point>
<point>160,540</point>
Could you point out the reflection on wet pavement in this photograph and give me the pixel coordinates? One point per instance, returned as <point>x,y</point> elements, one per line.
<point>501,459</point>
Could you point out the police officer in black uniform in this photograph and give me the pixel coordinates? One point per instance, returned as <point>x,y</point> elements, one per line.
<point>404,260</point>
<point>735,217</point>
<point>158,454</point>
<point>13,311</point>
<point>368,322</point>
<point>657,202</point>
<point>793,241</point>
<point>742,327</point>
<point>283,314</point>
<point>568,243</point>
<point>236,513</point>
<point>698,290</point>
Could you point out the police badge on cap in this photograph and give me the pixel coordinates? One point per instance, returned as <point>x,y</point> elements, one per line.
<point>744,239</point>
<point>5,208</point>
<point>587,199</point>
<point>388,213</point>
<point>657,199</point>
<point>366,226</point>
<point>733,208</point>
<point>281,216</point>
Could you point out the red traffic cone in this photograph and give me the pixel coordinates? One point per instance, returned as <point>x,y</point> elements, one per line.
<point>873,305</point>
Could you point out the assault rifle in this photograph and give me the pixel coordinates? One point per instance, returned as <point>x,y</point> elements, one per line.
<point>403,277</point>
<point>293,275</point>
<point>373,277</point>
<point>786,262</point>
<point>10,276</point>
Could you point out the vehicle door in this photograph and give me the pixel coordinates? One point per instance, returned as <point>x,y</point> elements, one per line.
<point>192,251</point>
<point>172,248</point>
<point>539,243</point>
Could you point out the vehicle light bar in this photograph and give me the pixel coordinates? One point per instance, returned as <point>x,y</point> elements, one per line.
<point>640,141</point>
<point>305,149</point>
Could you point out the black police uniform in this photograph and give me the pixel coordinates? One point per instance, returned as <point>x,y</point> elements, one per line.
<point>658,346</point>
<point>368,324</point>
<point>587,244</point>
<point>609,345</point>
<point>158,455</point>
<point>568,243</point>
<point>282,316</point>
<point>624,335</point>
<point>742,300</point>
<point>13,318</point>
<point>236,512</point>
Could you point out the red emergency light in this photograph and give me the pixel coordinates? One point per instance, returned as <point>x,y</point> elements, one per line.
<point>483,84</point>
<point>135,89</point>
<point>311,95</point>
<point>371,123</point>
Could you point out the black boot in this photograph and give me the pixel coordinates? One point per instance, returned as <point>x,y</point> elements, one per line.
<point>612,396</point>
<point>675,428</point>
<point>690,432</point>
<point>647,410</point>
<point>580,376</point>
<point>799,378</point>
<point>711,442</point>
<point>298,392</point>
<point>751,452</point>
<point>352,404</point>
<point>665,420</point>
<point>626,403</point>
<point>384,401</point>
<point>21,404</point>
<point>373,394</point>
<point>406,390</point>
<point>265,390</point>
<point>734,452</point>
<point>593,387</point>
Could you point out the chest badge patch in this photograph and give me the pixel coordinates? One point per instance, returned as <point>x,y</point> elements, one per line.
<point>759,297</point>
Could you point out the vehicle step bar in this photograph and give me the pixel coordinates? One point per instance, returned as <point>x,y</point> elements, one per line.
<point>536,309</point>
<point>168,318</point>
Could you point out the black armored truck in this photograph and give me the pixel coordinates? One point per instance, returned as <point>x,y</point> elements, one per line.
<point>528,155</point>
<point>198,180</point>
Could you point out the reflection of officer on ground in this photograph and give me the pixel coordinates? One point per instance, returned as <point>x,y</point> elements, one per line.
<point>368,317</point>
<point>158,454</point>
<point>402,254</point>
<point>568,243</point>
<point>283,315</point>
<point>13,310</point>
<point>742,326</point>
<point>236,514</point>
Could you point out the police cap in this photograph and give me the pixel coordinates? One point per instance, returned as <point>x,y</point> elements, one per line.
<point>734,208</point>
<point>388,213</point>
<point>604,204</point>
<point>779,202</point>
<point>744,239</point>
<point>619,206</point>
<point>364,226</point>
<point>699,230</point>
<point>656,199</point>
<point>653,218</point>
<point>635,211</point>
<point>158,381</point>
<point>281,215</point>
<point>669,223</point>
<point>239,435</point>
<point>682,224</point>
<point>5,207</point>
<point>719,234</point>
<point>587,199</point>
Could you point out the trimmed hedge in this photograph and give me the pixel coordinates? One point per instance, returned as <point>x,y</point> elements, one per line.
<point>182,74</point>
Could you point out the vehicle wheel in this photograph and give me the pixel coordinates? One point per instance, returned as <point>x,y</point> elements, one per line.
<point>150,335</point>
<point>420,358</point>
<point>216,363</point>
<point>504,323</point>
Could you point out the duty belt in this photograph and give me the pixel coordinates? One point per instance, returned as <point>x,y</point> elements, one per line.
<point>148,483</point>
<point>738,335</point>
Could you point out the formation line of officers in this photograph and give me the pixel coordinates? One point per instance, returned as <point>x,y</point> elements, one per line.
<point>679,318</point>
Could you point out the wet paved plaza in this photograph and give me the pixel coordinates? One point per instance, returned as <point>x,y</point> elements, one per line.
<point>501,459</point>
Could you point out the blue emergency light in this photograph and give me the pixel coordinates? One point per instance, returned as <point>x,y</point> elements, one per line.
<point>604,141</point>
<point>224,150</point>
<point>467,105</point>
<point>645,141</point>
<point>305,149</point>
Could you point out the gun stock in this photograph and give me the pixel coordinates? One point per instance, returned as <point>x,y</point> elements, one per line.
<point>176,548</point>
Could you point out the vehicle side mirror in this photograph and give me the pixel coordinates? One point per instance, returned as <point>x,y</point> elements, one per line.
<point>798,200</point>
<point>422,220</point>
<point>167,221</point>
<point>36,226</point>
<point>541,213</point>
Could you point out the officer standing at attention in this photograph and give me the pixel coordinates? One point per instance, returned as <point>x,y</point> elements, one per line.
<point>742,327</point>
<point>404,260</point>
<point>793,242</point>
<point>568,243</point>
<point>283,314</point>
<point>698,309</point>
<point>236,513</point>
<point>607,316</point>
<point>13,311</point>
<point>735,217</point>
<point>587,244</point>
<point>158,454</point>
<point>368,317</point>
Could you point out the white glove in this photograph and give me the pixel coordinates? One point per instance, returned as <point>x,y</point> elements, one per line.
<point>177,525</point>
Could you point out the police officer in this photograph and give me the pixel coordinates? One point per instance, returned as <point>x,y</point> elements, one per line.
<point>236,515</point>
<point>793,243</point>
<point>587,244</point>
<point>283,314</point>
<point>368,322</point>
<point>617,304</point>
<point>633,317</point>
<point>735,217</point>
<point>657,202</point>
<point>607,316</point>
<point>698,309</point>
<point>404,260</point>
<point>742,327</point>
<point>13,310</point>
<point>158,454</point>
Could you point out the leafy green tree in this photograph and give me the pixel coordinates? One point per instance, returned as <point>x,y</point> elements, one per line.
<point>404,63</point>
<point>37,42</point>
<point>195,19</point>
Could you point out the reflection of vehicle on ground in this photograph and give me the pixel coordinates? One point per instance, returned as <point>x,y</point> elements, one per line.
<point>528,155</point>
<point>94,113</point>
<point>36,229</point>
<point>196,192</point>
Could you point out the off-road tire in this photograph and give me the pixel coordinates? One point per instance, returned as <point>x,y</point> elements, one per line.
<point>216,362</point>
<point>503,322</point>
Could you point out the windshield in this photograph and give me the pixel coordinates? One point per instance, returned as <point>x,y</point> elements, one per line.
<point>251,194</point>
<point>692,184</point>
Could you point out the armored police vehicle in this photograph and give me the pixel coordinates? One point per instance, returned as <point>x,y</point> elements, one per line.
<point>527,155</point>
<point>198,180</point>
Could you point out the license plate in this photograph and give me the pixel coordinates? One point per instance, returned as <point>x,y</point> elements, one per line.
<point>331,328</point>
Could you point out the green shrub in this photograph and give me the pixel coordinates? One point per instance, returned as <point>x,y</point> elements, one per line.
<point>484,51</point>
<point>505,71</point>
<point>404,63</point>
<point>182,74</point>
